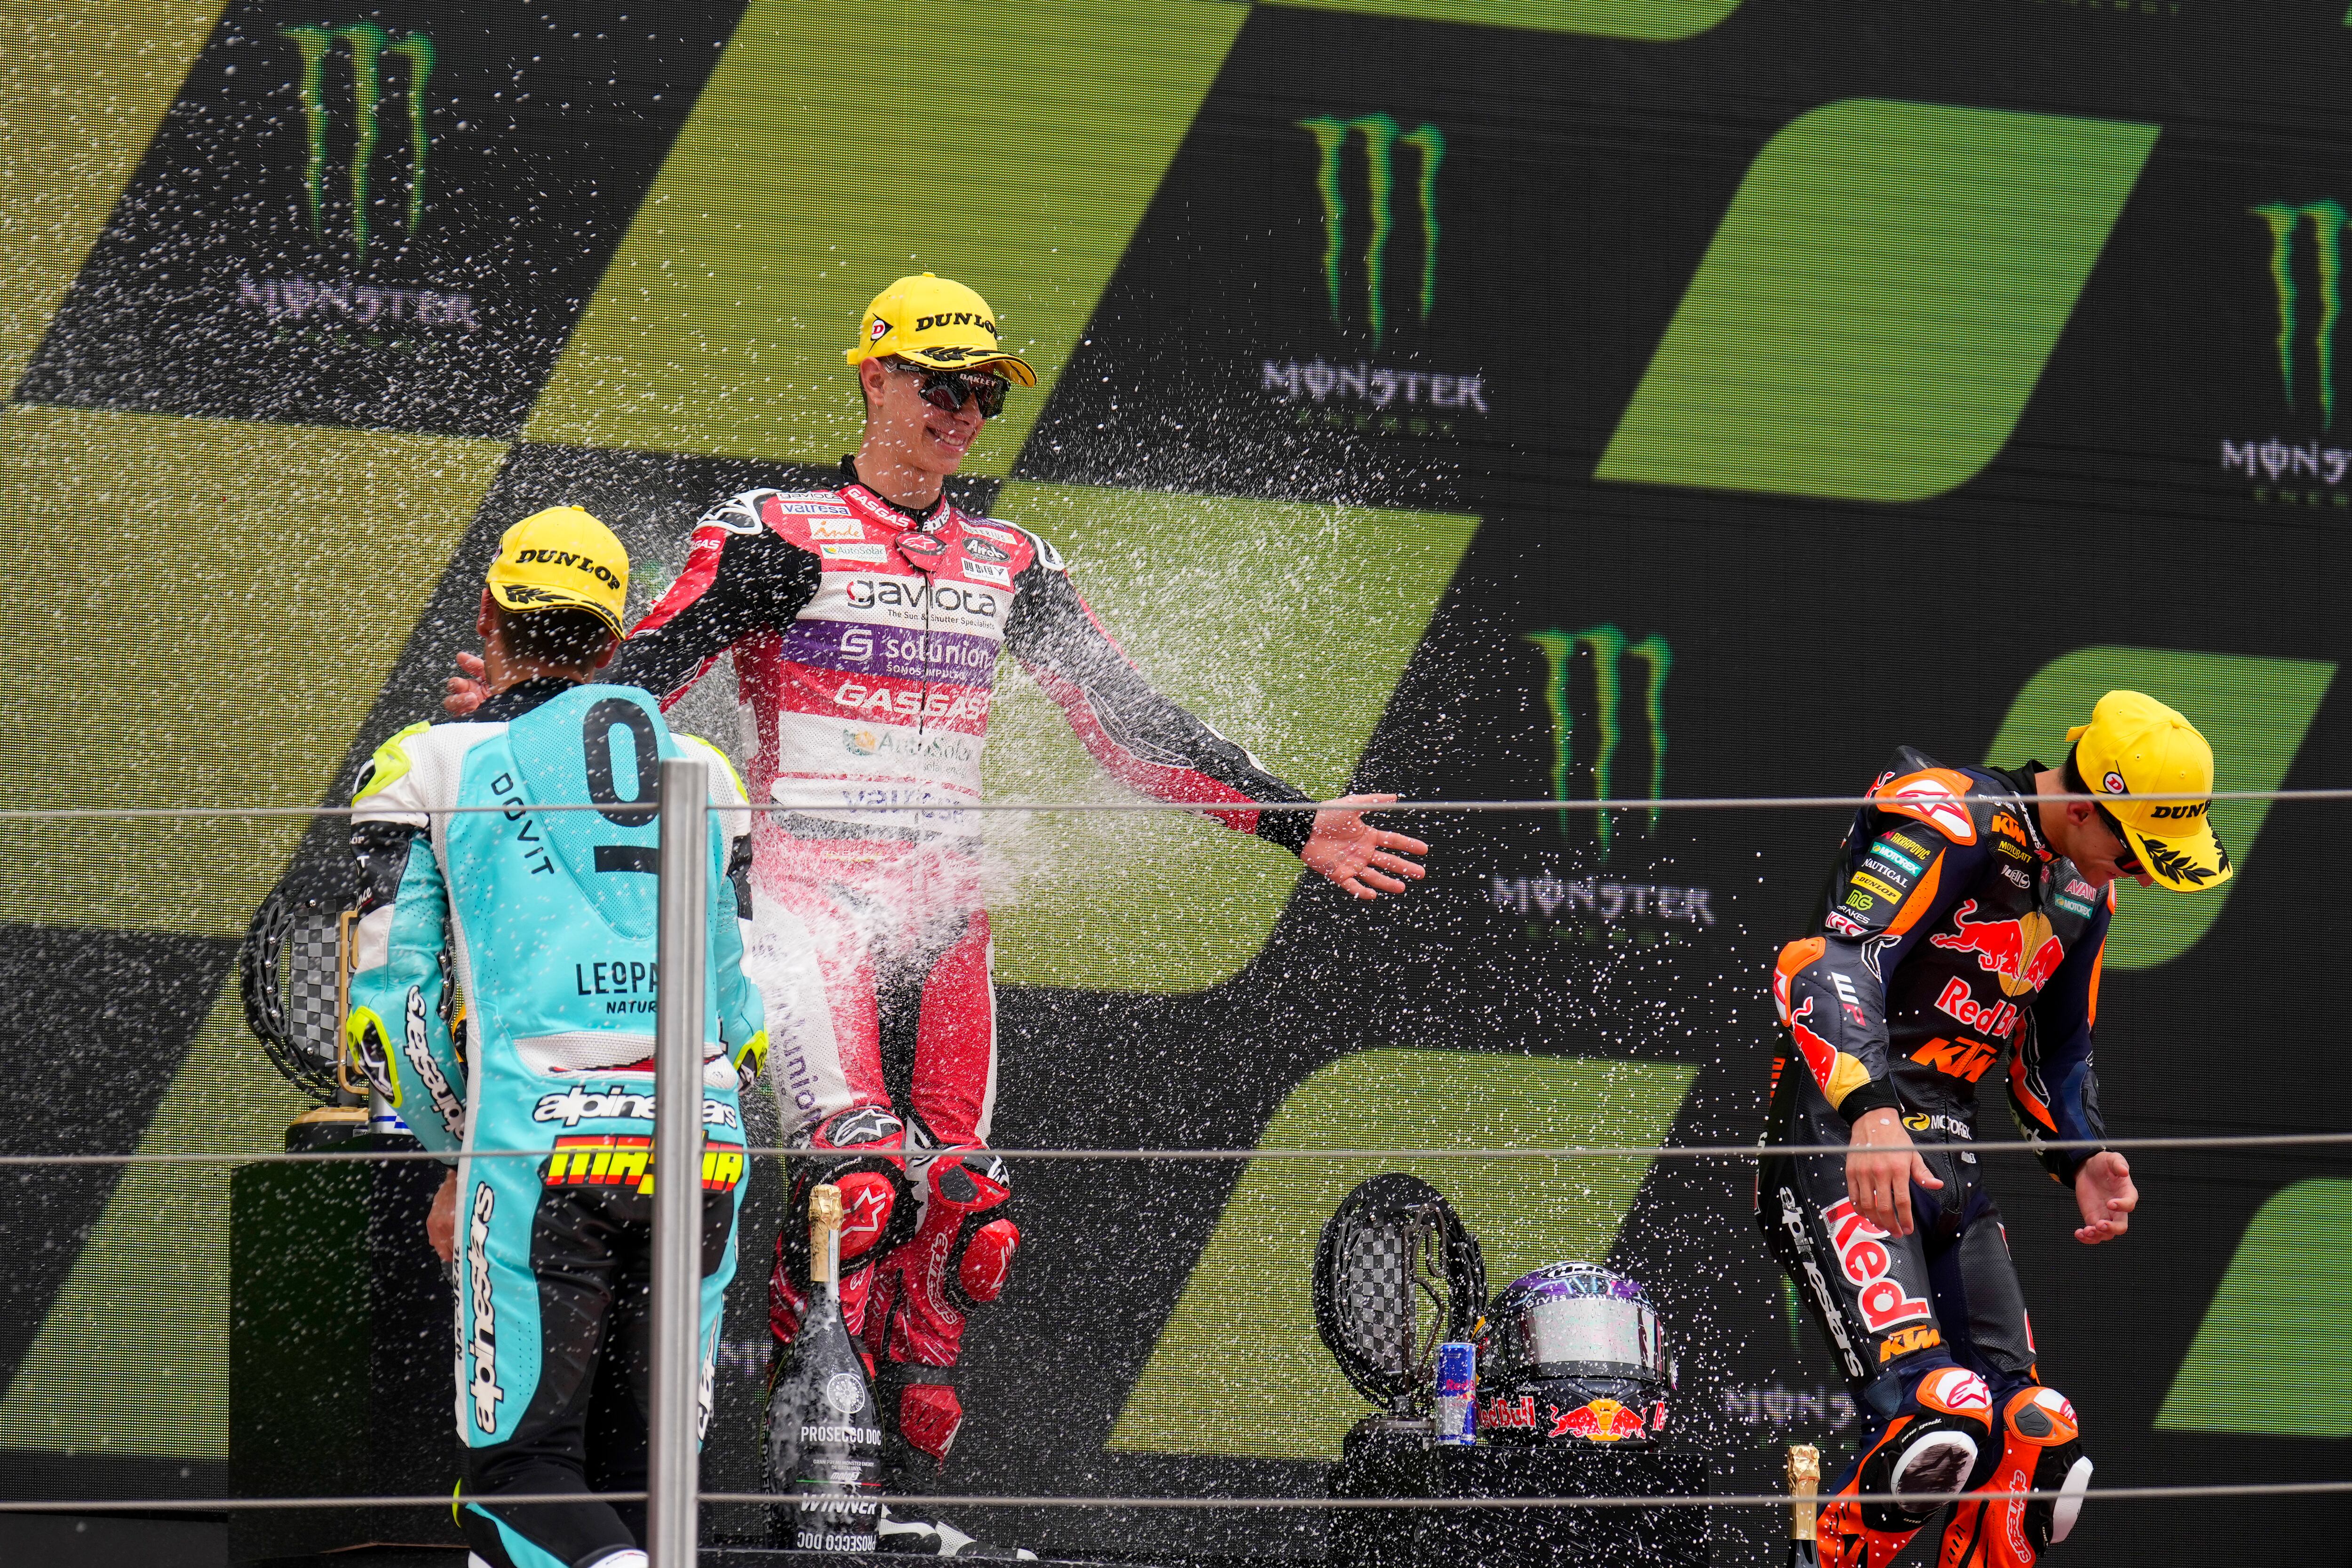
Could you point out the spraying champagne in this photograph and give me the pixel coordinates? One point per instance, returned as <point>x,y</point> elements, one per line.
<point>824,1448</point>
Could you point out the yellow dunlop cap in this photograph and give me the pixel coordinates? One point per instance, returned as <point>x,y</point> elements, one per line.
<point>2136,746</point>
<point>938,322</point>
<point>562,558</point>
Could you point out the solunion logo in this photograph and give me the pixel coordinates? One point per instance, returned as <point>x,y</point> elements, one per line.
<point>1592,747</point>
<point>1381,135</point>
<point>365,46</point>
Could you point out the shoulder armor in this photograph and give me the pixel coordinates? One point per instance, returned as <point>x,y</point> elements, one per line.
<point>1918,788</point>
<point>737,514</point>
<point>733,780</point>
<point>1047,556</point>
<point>390,762</point>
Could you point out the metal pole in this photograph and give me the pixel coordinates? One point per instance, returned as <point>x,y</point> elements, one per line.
<point>672,1464</point>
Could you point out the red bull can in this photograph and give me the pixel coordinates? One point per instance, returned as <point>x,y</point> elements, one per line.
<point>1457,1393</point>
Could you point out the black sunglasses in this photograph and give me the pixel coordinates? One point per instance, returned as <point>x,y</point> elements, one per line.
<point>947,391</point>
<point>2128,861</point>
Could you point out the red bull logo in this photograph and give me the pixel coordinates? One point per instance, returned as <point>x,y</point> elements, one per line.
<point>1865,1259</point>
<point>2022,953</point>
<point>1995,1020</point>
<point>1600,1421</point>
<point>1498,1414</point>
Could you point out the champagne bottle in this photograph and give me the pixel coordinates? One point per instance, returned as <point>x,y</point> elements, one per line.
<point>824,1437</point>
<point>1804,1482</point>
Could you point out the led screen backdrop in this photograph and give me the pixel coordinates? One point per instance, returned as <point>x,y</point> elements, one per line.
<point>1535,400</point>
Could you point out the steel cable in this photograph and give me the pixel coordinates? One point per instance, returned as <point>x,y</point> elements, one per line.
<point>1572,1152</point>
<point>936,808</point>
<point>978,1500</point>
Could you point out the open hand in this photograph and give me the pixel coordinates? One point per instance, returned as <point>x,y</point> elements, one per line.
<point>466,691</point>
<point>2104,1192</point>
<point>1880,1168</point>
<point>1358,859</point>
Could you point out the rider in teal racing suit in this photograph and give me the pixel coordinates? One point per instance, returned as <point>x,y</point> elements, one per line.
<point>544,922</point>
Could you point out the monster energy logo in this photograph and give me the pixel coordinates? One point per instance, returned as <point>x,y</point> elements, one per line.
<point>2326,220</point>
<point>367,44</point>
<point>1382,135</point>
<point>1606,650</point>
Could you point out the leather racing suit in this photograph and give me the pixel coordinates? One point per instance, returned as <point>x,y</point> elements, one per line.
<point>545,920</point>
<point>1948,933</point>
<point>865,639</point>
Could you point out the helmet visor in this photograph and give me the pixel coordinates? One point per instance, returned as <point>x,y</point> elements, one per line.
<point>1589,1336</point>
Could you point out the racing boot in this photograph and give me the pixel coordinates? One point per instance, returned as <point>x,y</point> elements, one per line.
<point>937,1538</point>
<point>2042,1450</point>
<point>1930,1447</point>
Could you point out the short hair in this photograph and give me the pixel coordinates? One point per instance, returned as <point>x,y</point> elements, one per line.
<point>888,363</point>
<point>564,636</point>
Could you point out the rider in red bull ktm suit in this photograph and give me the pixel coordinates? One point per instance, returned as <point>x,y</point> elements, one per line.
<point>1966,915</point>
<point>866,622</point>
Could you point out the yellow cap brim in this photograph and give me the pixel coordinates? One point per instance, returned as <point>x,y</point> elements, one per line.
<point>522,598</point>
<point>2186,862</point>
<point>995,362</point>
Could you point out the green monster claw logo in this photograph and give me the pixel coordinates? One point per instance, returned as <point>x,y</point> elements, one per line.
<point>2327,220</point>
<point>1608,652</point>
<point>368,44</point>
<point>1382,135</point>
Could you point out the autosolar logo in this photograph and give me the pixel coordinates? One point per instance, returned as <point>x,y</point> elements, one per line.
<point>1365,295</point>
<point>389,79</point>
<point>2305,464</point>
<point>1605,695</point>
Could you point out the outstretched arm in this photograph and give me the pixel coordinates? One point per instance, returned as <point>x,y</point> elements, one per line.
<point>1147,740</point>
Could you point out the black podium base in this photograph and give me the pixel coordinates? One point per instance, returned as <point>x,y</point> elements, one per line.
<point>1388,1464</point>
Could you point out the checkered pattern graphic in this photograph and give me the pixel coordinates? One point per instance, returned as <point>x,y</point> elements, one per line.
<point>1377,1295</point>
<point>307,972</point>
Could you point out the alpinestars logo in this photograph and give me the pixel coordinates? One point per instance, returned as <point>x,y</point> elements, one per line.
<point>1584,754</point>
<point>2306,276</point>
<point>1382,137</point>
<point>416,1046</point>
<point>482,1388</point>
<point>366,46</point>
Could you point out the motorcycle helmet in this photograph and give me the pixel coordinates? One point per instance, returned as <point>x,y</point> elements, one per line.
<point>1574,1353</point>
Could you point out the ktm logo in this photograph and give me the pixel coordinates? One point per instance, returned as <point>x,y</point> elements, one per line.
<point>1965,1059</point>
<point>1903,1342</point>
<point>2009,826</point>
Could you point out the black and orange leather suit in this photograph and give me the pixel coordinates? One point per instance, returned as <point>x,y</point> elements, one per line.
<point>1949,937</point>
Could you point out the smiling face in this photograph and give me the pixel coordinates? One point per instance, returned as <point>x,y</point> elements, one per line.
<point>901,426</point>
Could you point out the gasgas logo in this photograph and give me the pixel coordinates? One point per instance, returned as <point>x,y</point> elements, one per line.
<point>2022,953</point>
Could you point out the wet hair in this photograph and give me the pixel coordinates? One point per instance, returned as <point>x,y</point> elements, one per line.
<point>567,638</point>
